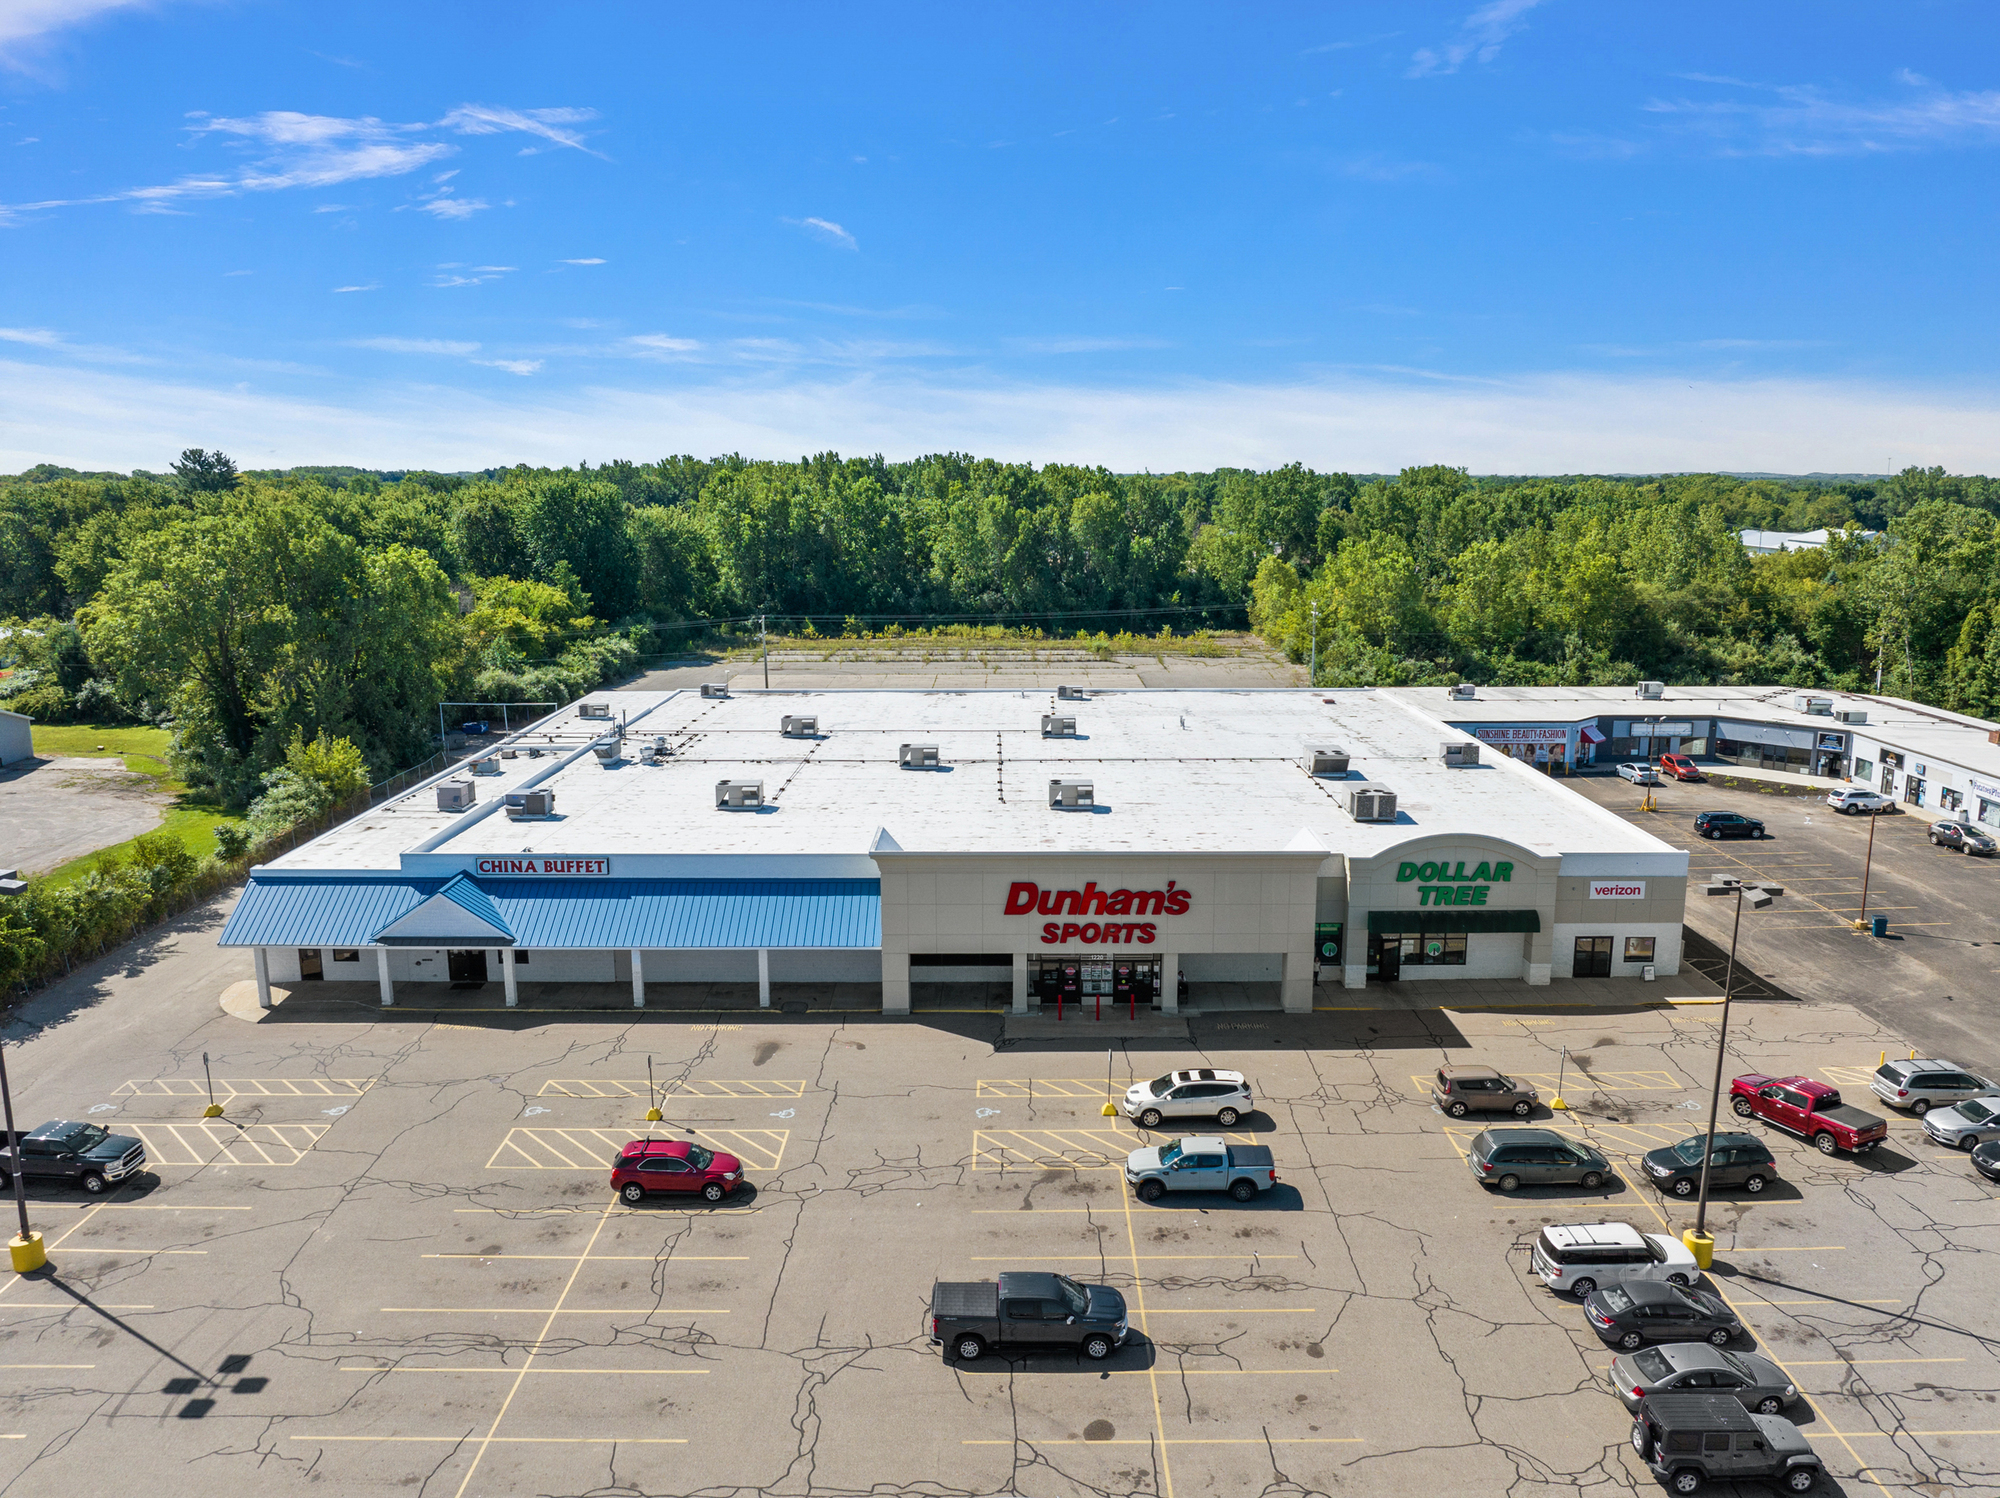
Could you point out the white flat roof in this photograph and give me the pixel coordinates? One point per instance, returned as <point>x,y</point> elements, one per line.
<point>1927,732</point>
<point>1174,771</point>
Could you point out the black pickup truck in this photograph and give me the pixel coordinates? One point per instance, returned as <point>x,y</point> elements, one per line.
<point>1023,1311</point>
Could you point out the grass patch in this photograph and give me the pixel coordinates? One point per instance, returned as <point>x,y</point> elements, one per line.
<point>193,825</point>
<point>143,750</point>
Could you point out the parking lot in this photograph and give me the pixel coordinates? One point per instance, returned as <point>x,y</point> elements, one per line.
<point>395,1265</point>
<point>1935,979</point>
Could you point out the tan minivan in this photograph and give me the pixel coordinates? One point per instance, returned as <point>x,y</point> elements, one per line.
<point>1460,1090</point>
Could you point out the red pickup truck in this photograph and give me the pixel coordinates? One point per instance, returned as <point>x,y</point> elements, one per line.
<point>1810,1109</point>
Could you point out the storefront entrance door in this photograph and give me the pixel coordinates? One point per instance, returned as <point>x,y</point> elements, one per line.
<point>1593,957</point>
<point>466,967</point>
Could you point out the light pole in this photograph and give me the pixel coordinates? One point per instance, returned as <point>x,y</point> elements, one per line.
<point>764,636</point>
<point>1699,1243</point>
<point>1312,671</point>
<point>26,1250</point>
<point>1867,868</point>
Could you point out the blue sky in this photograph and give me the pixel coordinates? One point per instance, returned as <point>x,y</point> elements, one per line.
<point>1533,235</point>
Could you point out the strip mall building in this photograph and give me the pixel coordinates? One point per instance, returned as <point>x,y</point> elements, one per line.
<point>1225,848</point>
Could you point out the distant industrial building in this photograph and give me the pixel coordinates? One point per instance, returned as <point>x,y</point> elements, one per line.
<point>1765,543</point>
<point>17,739</point>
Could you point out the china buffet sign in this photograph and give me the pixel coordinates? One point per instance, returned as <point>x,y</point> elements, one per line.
<point>544,868</point>
<point>1025,898</point>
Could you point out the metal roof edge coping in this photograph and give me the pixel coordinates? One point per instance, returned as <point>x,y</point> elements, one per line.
<point>1317,855</point>
<point>479,814</point>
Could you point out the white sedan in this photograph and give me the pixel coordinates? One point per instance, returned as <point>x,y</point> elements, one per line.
<point>1640,774</point>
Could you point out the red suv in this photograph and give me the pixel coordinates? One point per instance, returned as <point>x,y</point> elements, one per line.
<point>1681,767</point>
<point>676,1165</point>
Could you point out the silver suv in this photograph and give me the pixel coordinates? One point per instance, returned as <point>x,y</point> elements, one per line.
<point>1208,1093</point>
<point>1921,1085</point>
<point>1577,1258</point>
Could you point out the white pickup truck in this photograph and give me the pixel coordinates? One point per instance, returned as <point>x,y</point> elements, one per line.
<point>1200,1164</point>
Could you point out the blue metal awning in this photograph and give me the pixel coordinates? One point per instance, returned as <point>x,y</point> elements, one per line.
<point>281,909</point>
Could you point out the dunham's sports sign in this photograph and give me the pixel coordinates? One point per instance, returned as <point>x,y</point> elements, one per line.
<point>1024,898</point>
<point>543,868</point>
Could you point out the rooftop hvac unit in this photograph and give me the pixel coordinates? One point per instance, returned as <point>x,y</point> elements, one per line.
<point>1054,727</point>
<point>739,795</point>
<point>715,689</point>
<point>1819,707</point>
<point>1071,694</point>
<point>1072,795</point>
<point>1851,715</point>
<point>609,749</point>
<point>510,754</point>
<point>594,710</point>
<point>487,766</point>
<point>800,728</point>
<point>655,752</point>
<point>1464,691</point>
<point>1651,689</point>
<point>1460,755</point>
<point>531,804</point>
<point>455,795</point>
<point>1326,759</point>
<point>1371,803</point>
<point>918,756</point>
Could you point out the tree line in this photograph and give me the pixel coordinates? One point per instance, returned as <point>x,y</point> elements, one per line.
<point>257,610</point>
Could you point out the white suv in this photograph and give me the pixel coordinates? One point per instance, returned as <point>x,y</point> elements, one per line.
<point>1582,1257</point>
<point>1853,800</point>
<point>1221,1095</point>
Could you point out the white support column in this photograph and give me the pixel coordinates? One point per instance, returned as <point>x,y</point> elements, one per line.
<point>509,977</point>
<point>895,982</point>
<point>263,961</point>
<point>1170,983</point>
<point>1020,982</point>
<point>1295,990</point>
<point>382,976</point>
<point>638,979</point>
<point>763,978</point>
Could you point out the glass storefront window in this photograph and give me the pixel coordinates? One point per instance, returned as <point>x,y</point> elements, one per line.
<point>1430,948</point>
<point>1639,948</point>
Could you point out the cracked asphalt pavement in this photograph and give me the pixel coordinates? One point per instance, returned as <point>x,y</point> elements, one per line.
<point>395,1264</point>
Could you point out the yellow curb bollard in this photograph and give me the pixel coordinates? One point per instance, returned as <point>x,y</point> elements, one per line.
<point>28,1253</point>
<point>213,1110</point>
<point>652,1115</point>
<point>1702,1246</point>
<point>1558,1104</point>
<point>1885,1059</point>
<point>1109,1110</point>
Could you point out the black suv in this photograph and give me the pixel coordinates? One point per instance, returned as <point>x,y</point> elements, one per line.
<point>1690,1439</point>
<point>79,1154</point>
<point>1740,1160</point>
<point>1727,824</point>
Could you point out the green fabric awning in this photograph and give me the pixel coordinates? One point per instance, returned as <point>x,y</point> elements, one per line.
<point>1452,921</point>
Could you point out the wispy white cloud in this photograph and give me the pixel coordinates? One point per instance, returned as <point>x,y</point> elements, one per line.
<point>1364,41</point>
<point>1803,120</point>
<point>1081,345</point>
<point>371,286</point>
<point>550,124</point>
<point>29,21</point>
<point>454,274</point>
<point>1582,422</point>
<point>1479,39</point>
<point>662,345</point>
<point>588,260</point>
<point>39,337</point>
<point>296,150</point>
<point>453,209</point>
<point>53,342</point>
<point>415,345</point>
<point>512,366</point>
<point>827,230</point>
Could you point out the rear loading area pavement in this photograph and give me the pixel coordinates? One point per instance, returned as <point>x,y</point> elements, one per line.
<point>1934,979</point>
<point>394,1265</point>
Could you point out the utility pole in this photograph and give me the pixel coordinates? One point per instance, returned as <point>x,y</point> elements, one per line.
<point>1867,868</point>
<point>764,634</point>
<point>26,1250</point>
<point>1312,674</point>
<point>1699,1243</point>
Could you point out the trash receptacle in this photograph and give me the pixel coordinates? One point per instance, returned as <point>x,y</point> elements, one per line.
<point>1881,925</point>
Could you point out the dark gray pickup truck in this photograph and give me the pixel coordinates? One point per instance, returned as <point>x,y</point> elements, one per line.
<point>1023,1311</point>
<point>72,1153</point>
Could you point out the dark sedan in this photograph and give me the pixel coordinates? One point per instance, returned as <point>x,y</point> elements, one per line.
<point>1719,824</point>
<point>1986,1160</point>
<point>1697,1368</point>
<point>1962,836</point>
<point>1636,1312</point>
<point>1740,1160</point>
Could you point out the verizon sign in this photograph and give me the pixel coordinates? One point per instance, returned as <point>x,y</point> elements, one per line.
<point>536,867</point>
<point>1617,889</point>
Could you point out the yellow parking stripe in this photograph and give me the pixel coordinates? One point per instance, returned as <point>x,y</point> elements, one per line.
<point>231,1087</point>
<point>595,1087</point>
<point>1057,1149</point>
<point>1045,1088</point>
<point>1604,1081</point>
<point>223,1143</point>
<point>594,1149</point>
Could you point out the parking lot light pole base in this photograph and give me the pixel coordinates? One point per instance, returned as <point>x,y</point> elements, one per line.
<point>1701,1245</point>
<point>213,1110</point>
<point>1558,1104</point>
<point>27,1252</point>
<point>653,1115</point>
